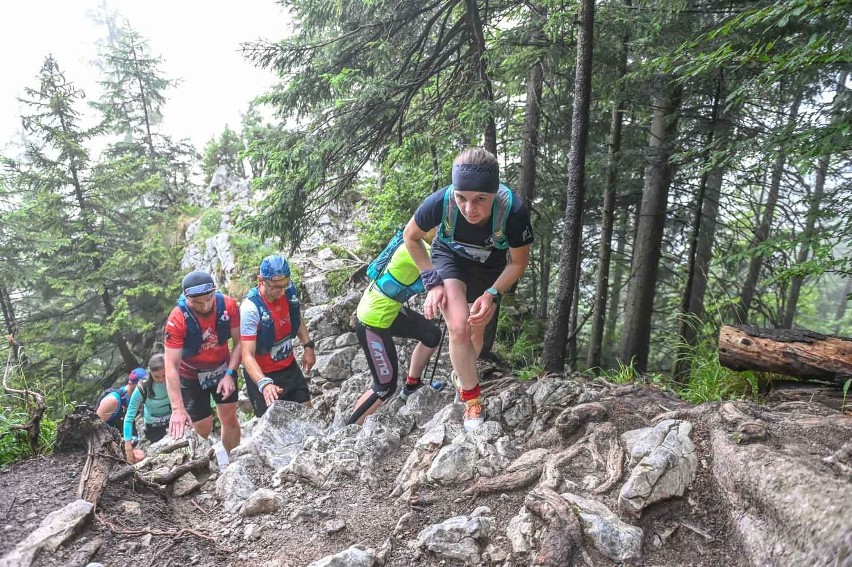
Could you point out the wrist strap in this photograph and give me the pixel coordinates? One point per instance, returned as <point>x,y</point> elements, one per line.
<point>309,344</point>
<point>264,382</point>
<point>229,372</point>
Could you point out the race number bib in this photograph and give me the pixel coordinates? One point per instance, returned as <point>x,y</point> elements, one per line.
<point>282,349</point>
<point>209,379</point>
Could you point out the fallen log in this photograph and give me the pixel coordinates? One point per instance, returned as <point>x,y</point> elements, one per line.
<point>794,352</point>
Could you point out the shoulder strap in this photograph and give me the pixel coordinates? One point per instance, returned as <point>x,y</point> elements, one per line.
<point>266,328</point>
<point>295,309</point>
<point>449,214</point>
<point>223,322</point>
<point>500,215</point>
<point>192,339</point>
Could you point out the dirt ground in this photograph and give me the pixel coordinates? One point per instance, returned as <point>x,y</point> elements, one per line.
<point>139,527</point>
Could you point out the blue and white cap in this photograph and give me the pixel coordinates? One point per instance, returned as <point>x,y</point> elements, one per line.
<point>274,266</point>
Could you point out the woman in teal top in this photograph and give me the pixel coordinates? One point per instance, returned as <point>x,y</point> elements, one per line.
<point>157,411</point>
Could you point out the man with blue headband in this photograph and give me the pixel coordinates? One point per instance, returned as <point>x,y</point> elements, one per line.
<point>481,249</point>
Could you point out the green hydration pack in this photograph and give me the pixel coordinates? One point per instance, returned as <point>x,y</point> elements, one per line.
<point>384,281</point>
<point>499,215</point>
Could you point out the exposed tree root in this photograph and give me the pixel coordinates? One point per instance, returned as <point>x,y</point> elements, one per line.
<point>172,534</point>
<point>745,428</point>
<point>563,537</point>
<point>545,439</point>
<point>552,476</point>
<point>606,434</point>
<point>570,420</point>
<point>505,482</point>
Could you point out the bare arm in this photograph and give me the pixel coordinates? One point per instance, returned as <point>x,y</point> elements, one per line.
<point>180,419</point>
<point>309,356</point>
<point>173,358</point>
<point>249,350</point>
<point>229,383</point>
<point>107,407</point>
<point>519,259</point>
<point>413,237</point>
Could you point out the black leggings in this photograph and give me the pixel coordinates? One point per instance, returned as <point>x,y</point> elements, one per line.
<point>381,354</point>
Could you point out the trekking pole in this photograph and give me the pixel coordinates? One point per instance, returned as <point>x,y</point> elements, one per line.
<point>437,356</point>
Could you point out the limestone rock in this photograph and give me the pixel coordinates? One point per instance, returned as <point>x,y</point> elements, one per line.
<point>614,538</point>
<point>261,501</point>
<point>521,531</point>
<point>280,433</point>
<point>456,539</point>
<point>554,391</point>
<point>665,464</point>
<point>348,394</point>
<point>423,404</point>
<point>352,557</point>
<point>336,365</point>
<point>55,529</point>
<point>517,408</point>
<point>234,486</point>
<point>454,463</point>
<point>184,485</point>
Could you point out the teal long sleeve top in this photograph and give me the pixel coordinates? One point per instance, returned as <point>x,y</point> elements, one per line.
<point>156,408</point>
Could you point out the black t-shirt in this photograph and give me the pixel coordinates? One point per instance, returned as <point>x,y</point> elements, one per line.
<point>518,228</point>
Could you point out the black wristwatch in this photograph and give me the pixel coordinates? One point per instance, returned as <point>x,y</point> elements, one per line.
<point>309,344</point>
<point>493,291</point>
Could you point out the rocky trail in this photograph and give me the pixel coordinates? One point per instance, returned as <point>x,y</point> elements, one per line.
<point>565,471</point>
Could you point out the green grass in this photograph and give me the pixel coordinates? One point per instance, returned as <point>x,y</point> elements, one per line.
<point>708,380</point>
<point>337,281</point>
<point>13,444</point>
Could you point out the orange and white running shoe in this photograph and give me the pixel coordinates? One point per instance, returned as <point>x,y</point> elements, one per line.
<point>474,414</point>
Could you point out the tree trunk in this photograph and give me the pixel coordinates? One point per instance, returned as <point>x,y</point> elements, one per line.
<point>544,277</point>
<point>701,242</point>
<point>810,224</point>
<point>741,308</point>
<point>557,328</point>
<point>9,322</point>
<point>130,360</point>
<point>474,23</point>
<point>807,242</point>
<point>636,334</point>
<point>593,359</point>
<point>617,277</point>
<point>574,323</point>
<point>529,149</point>
<point>800,353</point>
<point>844,302</point>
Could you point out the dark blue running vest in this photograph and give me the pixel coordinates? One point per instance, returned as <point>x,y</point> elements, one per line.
<point>192,341</point>
<point>266,332</point>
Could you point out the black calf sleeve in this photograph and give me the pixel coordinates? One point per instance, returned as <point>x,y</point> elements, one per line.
<point>360,410</point>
